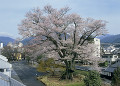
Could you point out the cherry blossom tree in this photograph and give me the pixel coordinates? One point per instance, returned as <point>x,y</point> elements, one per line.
<point>67,34</point>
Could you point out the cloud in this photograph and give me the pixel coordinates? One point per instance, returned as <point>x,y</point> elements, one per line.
<point>6,34</point>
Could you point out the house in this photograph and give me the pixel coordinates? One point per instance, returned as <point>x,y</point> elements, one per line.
<point>109,70</point>
<point>109,49</point>
<point>110,57</point>
<point>5,67</point>
<point>8,81</point>
<point>18,56</point>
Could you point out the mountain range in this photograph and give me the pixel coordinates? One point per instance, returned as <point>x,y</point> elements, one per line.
<point>104,39</point>
<point>110,38</point>
<point>5,40</point>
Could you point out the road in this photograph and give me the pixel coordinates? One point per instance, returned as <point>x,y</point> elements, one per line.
<point>26,73</point>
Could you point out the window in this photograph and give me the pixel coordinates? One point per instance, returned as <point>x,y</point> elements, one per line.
<point>1,70</point>
<point>105,56</point>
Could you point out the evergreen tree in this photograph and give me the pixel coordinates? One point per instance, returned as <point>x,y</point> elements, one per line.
<point>92,79</point>
<point>116,77</point>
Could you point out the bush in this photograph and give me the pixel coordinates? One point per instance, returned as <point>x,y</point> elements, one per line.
<point>40,57</point>
<point>105,64</point>
<point>116,77</point>
<point>28,59</point>
<point>93,79</point>
<point>81,77</point>
<point>50,66</point>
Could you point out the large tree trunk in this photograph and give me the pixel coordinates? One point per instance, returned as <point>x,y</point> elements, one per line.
<point>68,74</point>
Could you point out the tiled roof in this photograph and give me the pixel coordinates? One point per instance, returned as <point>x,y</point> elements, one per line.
<point>117,64</point>
<point>112,67</point>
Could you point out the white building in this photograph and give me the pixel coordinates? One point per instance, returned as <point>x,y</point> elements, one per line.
<point>110,57</point>
<point>97,47</point>
<point>5,66</point>
<point>109,49</point>
<point>15,45</point>
<point>1,46</point>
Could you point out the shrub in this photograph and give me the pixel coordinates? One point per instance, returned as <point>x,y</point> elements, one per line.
<point>105,64</point>
<point>92,79</point>
<point>116,77</point>
<point>81,77</point>
<point>50,66</point>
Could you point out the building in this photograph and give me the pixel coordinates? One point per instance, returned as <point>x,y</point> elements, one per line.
<point>15,45</point>
<point>109,49</point>
<point>5,72</point>
<point>97,47</point>
<point>5,66</point>
<point>18,56</point>
<point>8,81</point>
<point>110,57</point>
<point>109,70</point>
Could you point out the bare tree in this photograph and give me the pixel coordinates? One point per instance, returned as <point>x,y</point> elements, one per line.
<point>68,35</point>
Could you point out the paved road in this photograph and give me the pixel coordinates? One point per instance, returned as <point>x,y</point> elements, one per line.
<point>27,74</point>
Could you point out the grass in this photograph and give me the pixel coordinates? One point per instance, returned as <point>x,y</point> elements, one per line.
<point>54,81</point>
<point>81,72</point>
<point>77,81</point>
<point>76,84</point>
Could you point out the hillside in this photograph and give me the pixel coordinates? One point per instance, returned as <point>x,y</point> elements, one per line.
<point>110,39</point>
<point>6,40</point>
<point>104,39</point>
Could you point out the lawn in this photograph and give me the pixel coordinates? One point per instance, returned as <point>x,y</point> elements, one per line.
<point>81,72</point>
<point>76,84</point>
<point>77,81</point>
<point>51,81</point>
<point>54,81</point>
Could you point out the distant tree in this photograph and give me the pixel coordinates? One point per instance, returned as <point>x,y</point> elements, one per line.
<point>28,59</point>
<point>68,35</point>
<point>8,52</point>
<point>40,57</point>
<point>92,79</point>
<point>104,64</point>
<point>116,77</point>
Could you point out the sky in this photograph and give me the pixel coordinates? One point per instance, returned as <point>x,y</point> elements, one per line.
<point>13,11</point>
